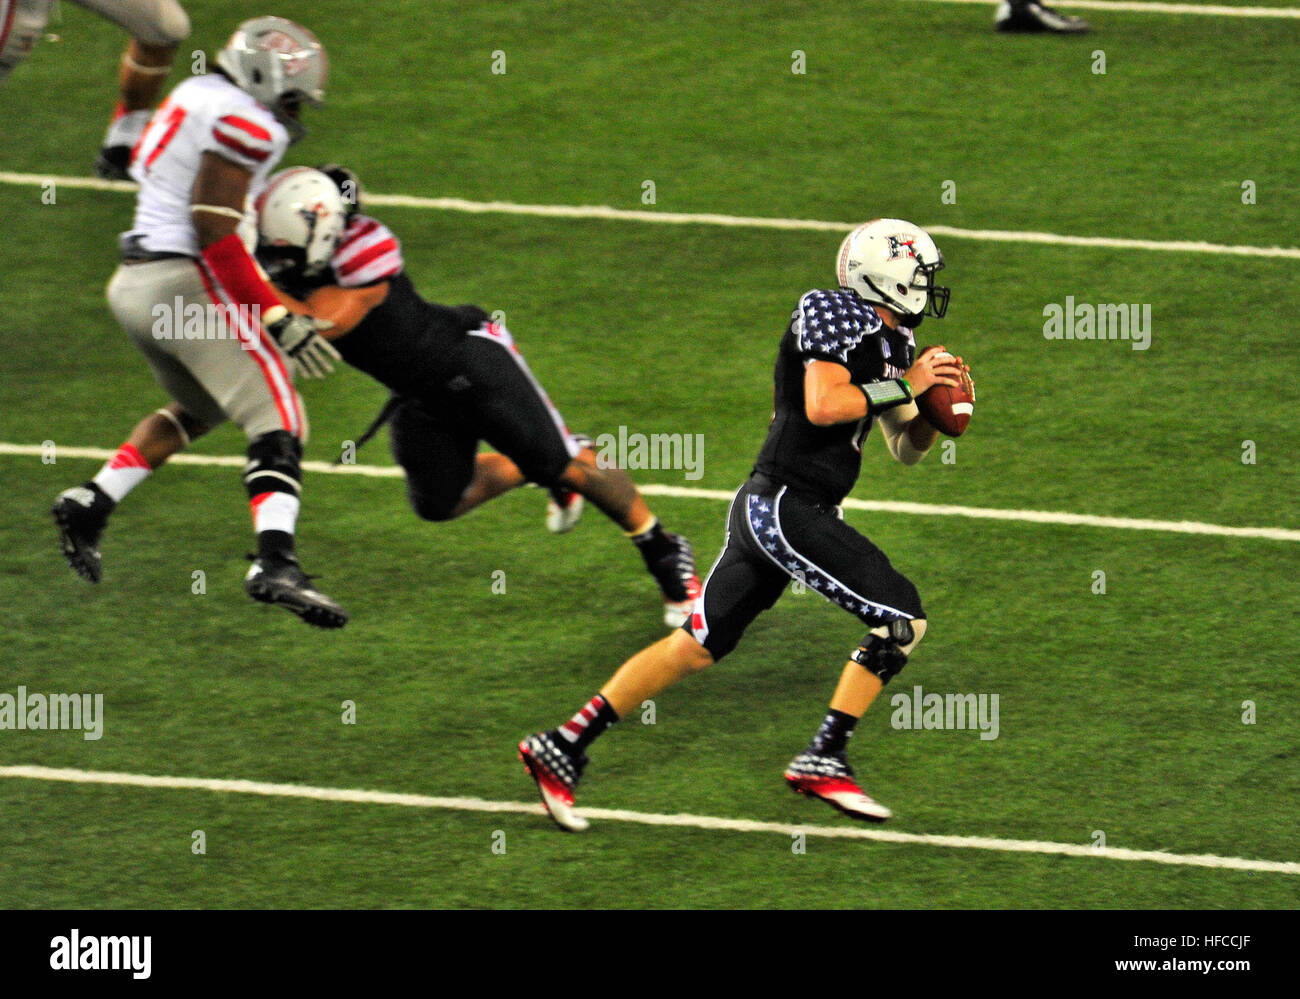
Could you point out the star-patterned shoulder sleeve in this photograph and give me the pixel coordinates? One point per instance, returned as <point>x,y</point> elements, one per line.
<point>827,325</point>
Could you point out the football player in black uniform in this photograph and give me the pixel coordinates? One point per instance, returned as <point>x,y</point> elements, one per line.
<point>847,361</point>
<point>456,376</point>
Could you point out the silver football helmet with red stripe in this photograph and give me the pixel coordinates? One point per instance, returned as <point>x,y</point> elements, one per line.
<point>280,63</point>
<point>300,217</point>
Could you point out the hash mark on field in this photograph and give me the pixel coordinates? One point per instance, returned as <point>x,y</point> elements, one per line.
<point>690,492</point>
<point>707,218</point>
<point>642,818</point>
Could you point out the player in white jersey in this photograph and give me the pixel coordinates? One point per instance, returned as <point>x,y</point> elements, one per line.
<point>200,309</point>
<point>156,28</point>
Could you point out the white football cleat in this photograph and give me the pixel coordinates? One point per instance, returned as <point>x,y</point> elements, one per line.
<point>563,511</point>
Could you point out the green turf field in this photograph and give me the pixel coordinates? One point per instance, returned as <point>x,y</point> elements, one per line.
<point>1120,713</point>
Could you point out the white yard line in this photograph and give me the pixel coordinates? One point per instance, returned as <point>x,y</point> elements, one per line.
<point>642,818</point>
<point>690,492</point>
<point>697,218</point>
<point>1138,7</point>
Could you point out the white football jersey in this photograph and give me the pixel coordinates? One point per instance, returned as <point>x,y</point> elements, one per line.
<point>204,114</point>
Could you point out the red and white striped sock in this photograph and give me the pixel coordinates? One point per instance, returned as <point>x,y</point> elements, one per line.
<point>122,473</point>
<point>274,512</point>
<point>594,718</point>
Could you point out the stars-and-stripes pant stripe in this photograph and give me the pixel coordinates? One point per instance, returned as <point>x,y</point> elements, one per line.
<point>775,536</point>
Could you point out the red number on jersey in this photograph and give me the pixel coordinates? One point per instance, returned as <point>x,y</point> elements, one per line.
<point>167,118</point>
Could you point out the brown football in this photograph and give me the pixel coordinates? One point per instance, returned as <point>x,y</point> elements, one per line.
<point>947,409</point>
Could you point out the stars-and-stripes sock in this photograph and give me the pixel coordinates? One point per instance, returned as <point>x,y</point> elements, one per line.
<point>122,473</point>
<point>577,733</point>
<point>833,736</point>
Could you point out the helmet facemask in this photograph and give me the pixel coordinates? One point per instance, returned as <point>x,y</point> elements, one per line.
<point>936,296</point>
<point>283,264</point>
<point>287,109</point>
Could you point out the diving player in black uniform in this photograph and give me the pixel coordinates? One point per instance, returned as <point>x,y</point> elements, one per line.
<point>456,376</point>
<point>847,361</point>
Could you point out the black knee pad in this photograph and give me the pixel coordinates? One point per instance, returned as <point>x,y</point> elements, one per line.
<point>274,464</point>
<point>885,657</point>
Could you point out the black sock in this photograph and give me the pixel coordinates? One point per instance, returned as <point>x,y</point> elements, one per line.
<point>654,544</point>
<point>833,736</point>
<point>274,544</point>
<point>578,732</point>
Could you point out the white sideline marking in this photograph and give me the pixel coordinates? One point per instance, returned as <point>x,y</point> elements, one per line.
<point>641,818</point>
<point>705,218</point>
<point>1136,7</point>
<point>690,492</point>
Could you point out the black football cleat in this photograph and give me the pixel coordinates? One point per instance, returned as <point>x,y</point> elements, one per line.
<point>81,514</point>
<point>114,159</point>
<point>556,774</point>
<point>280,580</point>
<point>1031,18</point>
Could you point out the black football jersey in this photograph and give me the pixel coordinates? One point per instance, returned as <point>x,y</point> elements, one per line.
<point>409,345</point>
<point>838,326</point>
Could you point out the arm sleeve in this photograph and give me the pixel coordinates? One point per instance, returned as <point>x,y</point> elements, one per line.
<point>236,273</point>
<point>893,427</point>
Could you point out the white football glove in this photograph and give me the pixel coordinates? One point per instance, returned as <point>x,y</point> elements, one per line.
<point>299,336</point>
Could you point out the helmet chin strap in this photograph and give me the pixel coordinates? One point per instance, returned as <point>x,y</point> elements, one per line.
<point>883,299</point>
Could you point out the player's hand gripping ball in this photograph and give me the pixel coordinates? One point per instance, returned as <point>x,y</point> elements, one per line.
<point>945,408</point>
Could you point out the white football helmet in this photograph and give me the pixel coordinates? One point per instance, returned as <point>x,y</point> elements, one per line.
<point>300,217</point>
<point>281,64</point>
<point>893,263</point>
